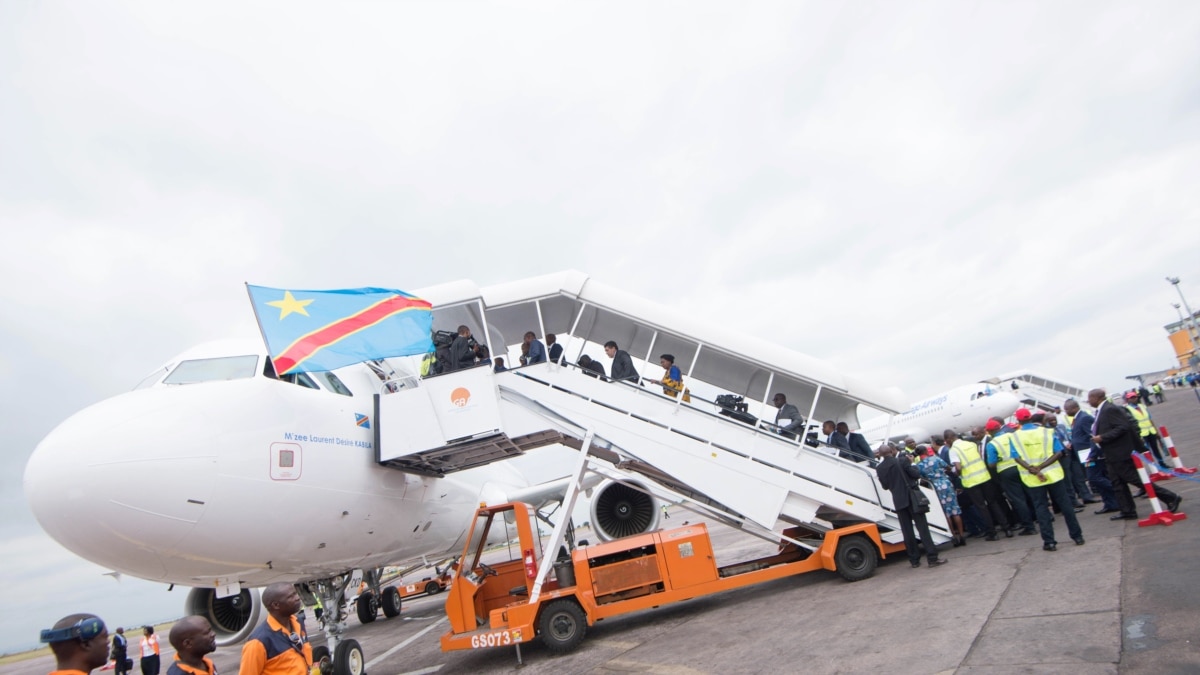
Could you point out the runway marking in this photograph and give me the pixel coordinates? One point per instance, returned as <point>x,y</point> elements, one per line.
<point>404,644</point>
<point>423,671</point>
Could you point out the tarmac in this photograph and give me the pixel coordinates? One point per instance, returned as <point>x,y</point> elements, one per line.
<point>1122,603</point>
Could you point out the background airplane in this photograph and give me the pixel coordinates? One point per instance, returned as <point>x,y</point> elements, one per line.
<point>959,409</point>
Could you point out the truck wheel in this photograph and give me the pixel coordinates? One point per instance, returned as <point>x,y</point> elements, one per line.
<point>432,588</point>
<point>348,659</point>
<point>391,602</point>
<point>322,660</point>
<point>855,557</point>
<point>366,607</point>
<point>562,626</point>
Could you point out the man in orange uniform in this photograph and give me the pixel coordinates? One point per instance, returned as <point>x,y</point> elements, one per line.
<point>280,645</point>
<point>79,643</point>
<point>192,637</point>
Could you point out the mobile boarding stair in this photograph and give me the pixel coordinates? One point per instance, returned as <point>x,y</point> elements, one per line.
<point>746,474</point>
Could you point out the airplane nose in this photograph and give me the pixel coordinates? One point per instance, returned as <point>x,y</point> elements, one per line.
<point>1004,404</point>
<point>108,486</point>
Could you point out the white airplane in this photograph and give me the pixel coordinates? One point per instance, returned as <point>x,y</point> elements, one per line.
<point>229,478</point>
<point>216,474</point>
<point>960,409</point>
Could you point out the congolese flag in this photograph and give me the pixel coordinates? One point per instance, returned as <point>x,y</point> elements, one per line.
<point>323,330</point>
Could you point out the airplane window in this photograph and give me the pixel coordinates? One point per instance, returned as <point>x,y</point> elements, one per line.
<point>151,379</point>
<point>213,370</point>
<point>334,384</point>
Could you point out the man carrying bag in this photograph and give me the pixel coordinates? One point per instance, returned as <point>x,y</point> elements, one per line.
<point>900,476</point>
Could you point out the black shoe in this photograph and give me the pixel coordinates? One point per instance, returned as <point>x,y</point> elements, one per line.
<point>1008,532</point>
<point>939,561</point>
<point>992,536</point>
<point>1122,516</point>
<point>1078,509</point>
<point>1079,541</point>
<point>958,541</point>
<point>916,563</point>
<point>1078,503</point>
<point>1091,501</point>
<point>1049,547</point>
<point>1106,510</point>
<point>1026,532</point>
<point>1173,507</point>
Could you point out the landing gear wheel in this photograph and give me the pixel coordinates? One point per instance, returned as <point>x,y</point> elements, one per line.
<point>348,659</point>
<point>367,607</point>
<point>562,626</point>
<point>855,557</point>
<point>432,588</point>
<point>322,660</point>
<point>391,602</point>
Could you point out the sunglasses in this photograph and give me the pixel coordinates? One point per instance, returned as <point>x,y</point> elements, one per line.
<point>83,630</point>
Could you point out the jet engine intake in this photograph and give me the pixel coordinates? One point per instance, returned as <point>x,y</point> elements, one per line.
<point>622,509</point>
<point>232,618</point>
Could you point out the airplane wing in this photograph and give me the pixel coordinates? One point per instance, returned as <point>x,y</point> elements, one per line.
<point>543,494</point>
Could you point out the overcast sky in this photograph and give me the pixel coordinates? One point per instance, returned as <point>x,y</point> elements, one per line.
<point>921,193</point>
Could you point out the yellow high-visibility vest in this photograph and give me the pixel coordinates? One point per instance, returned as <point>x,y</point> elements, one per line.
<point>1145,424</point>
<point>1004,445</point>
<point>1036,446</point>
<point>974,469</point>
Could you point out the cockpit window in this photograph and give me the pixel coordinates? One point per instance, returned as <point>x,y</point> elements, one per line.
<point>301,379</point>
<point>332,383</point>
<point>213,370</point>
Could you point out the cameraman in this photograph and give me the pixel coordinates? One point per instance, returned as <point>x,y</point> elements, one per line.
<point>462,350</point>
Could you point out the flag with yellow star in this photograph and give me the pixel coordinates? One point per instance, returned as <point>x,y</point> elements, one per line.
<point>310,331</point>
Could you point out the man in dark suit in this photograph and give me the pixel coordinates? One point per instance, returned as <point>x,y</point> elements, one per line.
<point>896,475</point>
<point>860,449</point>
<point>1117,433</point>
<point>556,349</point>
<point>120,652</point>
<point>836,444</point>
<point>1081,441</point>
<point>622,367</point>
<point>591,366</point>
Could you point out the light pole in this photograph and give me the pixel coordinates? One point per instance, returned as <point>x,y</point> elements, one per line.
<point>1174,281</point>
<point>1179,311</point>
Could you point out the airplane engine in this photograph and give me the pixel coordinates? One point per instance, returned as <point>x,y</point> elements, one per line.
<point>232,618</point>
<point>622,509</point>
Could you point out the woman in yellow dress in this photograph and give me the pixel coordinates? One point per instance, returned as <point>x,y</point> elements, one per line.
<point>672,382</point>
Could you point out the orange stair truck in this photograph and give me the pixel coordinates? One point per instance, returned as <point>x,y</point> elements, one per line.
<point>499,603</point>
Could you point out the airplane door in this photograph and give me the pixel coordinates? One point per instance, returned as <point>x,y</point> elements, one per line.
<point>956,408</point>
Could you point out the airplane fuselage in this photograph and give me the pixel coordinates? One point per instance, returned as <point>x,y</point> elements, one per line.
<point>959,409</point>
<point>251,480</point>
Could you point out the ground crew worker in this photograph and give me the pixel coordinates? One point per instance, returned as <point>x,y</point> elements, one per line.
<point>1159,396</point>
<point>193,638</point>
<point>280,645</point>
<point>977,483</point>
<point>1036,453</point>
<point>998,448</point>
<point>79,643</point>
<point>1146,427</point>
<point>150,653</point>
